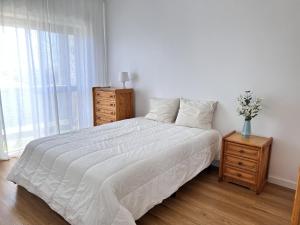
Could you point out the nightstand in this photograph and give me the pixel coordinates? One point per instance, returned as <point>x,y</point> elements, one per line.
<point>245,161</point>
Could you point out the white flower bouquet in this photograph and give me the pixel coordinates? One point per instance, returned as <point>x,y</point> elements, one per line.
<point>249,105</point>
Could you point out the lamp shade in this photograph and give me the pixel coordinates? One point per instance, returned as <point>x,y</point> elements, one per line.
<point>123,77</point>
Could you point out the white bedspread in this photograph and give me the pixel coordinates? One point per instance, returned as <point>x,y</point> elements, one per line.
<point>113,174</point>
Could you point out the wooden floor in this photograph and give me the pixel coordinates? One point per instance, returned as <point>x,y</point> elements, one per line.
<point>202,201</point>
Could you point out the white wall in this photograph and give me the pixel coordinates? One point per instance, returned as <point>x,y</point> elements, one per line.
<point>216,49</point>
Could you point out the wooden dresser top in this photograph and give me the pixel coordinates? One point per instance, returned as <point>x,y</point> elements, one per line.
<point>112,89</point>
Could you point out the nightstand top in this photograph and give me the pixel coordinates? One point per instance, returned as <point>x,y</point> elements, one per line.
<point>253,140</point>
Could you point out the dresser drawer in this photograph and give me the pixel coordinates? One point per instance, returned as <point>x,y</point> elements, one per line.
<point>240,163</point>
<point>105,110</point>
<point>108,104</point>
<point>100,122</point>
<point>239,175</point>
<point>106,117</point>
<point>242,151</point>
<point>109,95</point>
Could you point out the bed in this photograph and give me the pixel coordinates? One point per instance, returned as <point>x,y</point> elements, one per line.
<point>113,174</point>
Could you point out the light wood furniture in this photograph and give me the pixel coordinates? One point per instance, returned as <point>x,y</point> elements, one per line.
<point>296,208</point>
<point>112,104</point>
<point>201,201</point>
<point>245,161</point>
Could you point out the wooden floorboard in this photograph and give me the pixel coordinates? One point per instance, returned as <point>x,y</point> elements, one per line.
<point>202,201</point>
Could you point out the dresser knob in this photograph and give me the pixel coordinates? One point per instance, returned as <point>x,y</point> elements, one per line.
<point>240,163</point>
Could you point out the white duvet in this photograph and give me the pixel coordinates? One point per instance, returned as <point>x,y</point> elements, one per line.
<point>113,174</point>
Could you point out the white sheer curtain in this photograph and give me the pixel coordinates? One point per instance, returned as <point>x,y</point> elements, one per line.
<point>51,54</point>
<point>3,144</point>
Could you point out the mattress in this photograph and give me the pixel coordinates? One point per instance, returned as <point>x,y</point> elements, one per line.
<point>114,173</point>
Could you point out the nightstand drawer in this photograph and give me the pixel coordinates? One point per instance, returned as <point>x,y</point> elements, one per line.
<point>105,95</point>
<point>239,175</point>
<point>240,163</point>
<point>242,151</point>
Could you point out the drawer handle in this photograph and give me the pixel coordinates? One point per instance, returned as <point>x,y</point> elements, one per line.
<point>240,163</point>
<point>239,175</point>
<point>112,104</point>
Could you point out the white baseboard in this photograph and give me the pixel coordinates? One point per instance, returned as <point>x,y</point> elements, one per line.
<point>282,182</point>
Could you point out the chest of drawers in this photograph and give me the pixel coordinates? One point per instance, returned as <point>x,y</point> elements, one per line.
<point>245,161</point>
<point>112,104</point>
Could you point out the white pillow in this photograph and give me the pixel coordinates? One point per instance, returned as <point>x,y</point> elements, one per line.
<point>163,110</point>
<point>198,114</point>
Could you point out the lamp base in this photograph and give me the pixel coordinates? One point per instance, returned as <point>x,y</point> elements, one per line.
<point>124,87</point>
